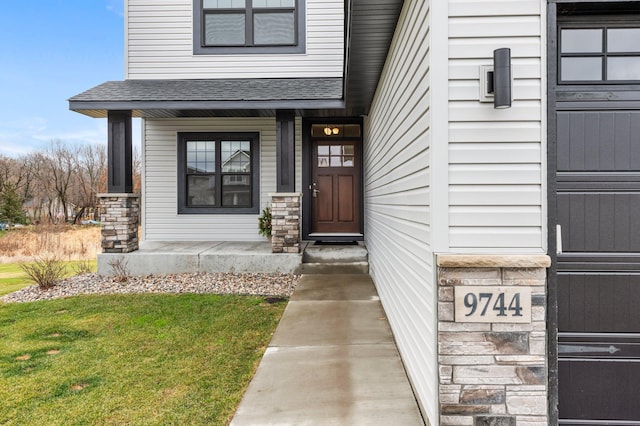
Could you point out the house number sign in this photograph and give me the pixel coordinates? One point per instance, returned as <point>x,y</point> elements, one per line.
<point>492,304</point>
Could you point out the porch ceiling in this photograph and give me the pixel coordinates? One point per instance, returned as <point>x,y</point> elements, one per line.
<point>370,28</point>
<point>373,23</point>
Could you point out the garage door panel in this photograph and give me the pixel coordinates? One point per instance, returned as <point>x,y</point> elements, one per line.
<point>599,222</point>
<point>599,302</point>
<point>593,386</point>
<point>599,141</point>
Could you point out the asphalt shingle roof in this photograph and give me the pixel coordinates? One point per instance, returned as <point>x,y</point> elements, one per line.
<point>214,90</point>
<point>149,95</point>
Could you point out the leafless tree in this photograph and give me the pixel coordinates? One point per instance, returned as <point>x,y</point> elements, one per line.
<point>61,178</point>
<point>43,199</point>
<point>61,162</point>
<point>13,172</point>
<point>90,178</point>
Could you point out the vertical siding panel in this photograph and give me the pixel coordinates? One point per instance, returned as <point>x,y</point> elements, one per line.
<point>159,44</point>
<point>397,214</point>
<point>477,130</point>
<point>162,221</point>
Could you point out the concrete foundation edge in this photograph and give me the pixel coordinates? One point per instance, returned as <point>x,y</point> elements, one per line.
<point>162,263</point>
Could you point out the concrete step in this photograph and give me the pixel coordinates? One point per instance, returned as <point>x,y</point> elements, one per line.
<point>333,268</point>
<point>335,254</point>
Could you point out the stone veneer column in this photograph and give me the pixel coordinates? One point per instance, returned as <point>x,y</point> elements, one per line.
<point>119,217</point>
<point>492,373</point>
<point>285,222</point>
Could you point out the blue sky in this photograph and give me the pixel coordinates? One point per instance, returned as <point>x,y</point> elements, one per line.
<point>52,50</point>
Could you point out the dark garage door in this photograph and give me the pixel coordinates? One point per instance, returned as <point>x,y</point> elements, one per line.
<point>598,206</point>
<point>597,123</point>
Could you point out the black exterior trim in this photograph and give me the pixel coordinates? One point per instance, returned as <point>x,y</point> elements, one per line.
<point>552,272</point>
<point>307,171</point>
<point>199,47</point>
<point>119,151</point>
<point>285,151</point>
<point>255,173</point>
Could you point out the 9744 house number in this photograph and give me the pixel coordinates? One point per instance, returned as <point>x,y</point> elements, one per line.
<point>493,304</point>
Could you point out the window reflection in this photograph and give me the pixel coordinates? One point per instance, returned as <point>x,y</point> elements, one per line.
<point>336,155</point>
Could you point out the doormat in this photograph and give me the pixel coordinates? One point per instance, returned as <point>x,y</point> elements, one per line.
<point>335,243</point>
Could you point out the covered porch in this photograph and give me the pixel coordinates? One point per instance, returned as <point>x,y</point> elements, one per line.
<point>285,102</point>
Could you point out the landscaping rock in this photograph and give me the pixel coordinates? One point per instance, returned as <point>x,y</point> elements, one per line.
<point>274,285</point>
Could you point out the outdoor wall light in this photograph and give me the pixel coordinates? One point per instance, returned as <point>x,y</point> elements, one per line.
<point>502,78</point>
<point>331,131</point>
<point>495,80</point>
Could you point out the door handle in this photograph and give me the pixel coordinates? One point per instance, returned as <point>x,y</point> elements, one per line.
<point>558,239</point>
<point>314,191</point>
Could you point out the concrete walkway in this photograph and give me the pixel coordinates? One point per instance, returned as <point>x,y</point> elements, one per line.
<point>332,361</point>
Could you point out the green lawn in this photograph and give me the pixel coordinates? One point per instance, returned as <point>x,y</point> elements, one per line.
<point>12,278</point>
<point>130,359</point>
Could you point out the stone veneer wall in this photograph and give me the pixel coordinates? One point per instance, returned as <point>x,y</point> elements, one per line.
<point>492,373</point>
<point>119,216</point>
<point>285,222</point>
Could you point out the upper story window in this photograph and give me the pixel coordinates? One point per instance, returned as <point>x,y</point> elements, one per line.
<point>599,54</point>
<point>248,26</point>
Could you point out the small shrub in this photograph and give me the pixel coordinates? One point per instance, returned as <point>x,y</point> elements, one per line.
<point>83,267</point>
<point>264,223</point>
<point>46,270</point>
<point>120,270</point>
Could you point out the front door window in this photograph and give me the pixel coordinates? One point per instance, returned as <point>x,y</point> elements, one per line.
<point>335,155</point>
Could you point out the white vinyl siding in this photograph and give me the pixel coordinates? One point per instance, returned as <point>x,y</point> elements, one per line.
<point>161,222</point>
<point>469,179</point>
<point>496,168</point>
<point>159,45</point>
<point>397,194</point>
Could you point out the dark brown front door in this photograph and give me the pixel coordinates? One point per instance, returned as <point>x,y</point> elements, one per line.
<point>335,187</point>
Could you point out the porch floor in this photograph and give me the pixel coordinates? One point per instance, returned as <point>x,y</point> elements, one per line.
<point>172,257</point>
